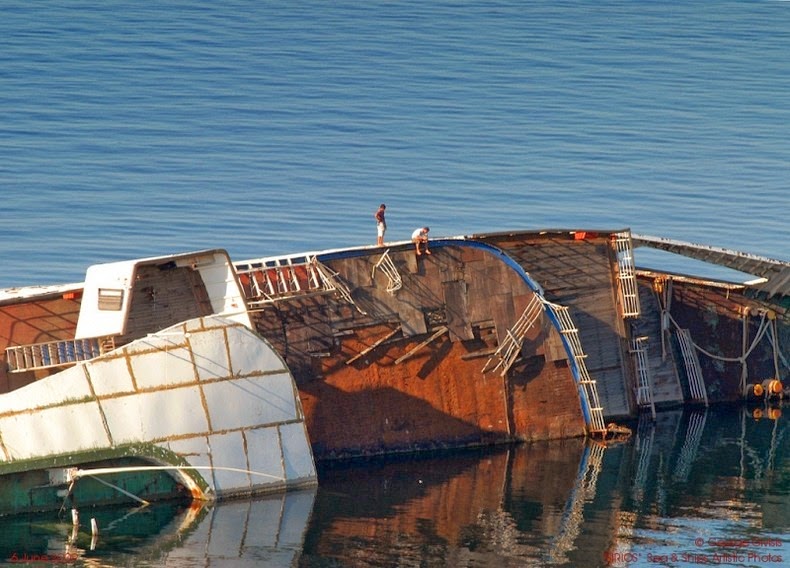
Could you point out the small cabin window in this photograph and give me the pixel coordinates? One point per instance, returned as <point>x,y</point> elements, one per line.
<point>110,299</point>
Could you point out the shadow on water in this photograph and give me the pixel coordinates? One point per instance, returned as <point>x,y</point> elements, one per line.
<point>695,487</point>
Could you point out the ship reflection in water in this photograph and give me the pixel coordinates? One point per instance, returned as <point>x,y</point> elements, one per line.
<point>697,487</point>
<point>719,475</point>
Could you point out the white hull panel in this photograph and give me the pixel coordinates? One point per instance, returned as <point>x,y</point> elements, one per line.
<point>210,392</point>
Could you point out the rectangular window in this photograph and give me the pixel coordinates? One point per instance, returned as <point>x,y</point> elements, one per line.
<point>110,299</point>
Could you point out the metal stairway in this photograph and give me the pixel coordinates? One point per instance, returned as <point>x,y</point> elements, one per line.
<point>692,367</point>
<point>510,347</point>
<point>53,354</point>
<point>571,333</point>
<point>644,389</point>
<point>627,287</point>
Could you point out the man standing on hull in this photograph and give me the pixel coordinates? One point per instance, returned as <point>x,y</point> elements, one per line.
<point>381,225</point>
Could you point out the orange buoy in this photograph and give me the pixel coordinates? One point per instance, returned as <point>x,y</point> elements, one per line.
<point>772,387</point>
<point>757,390</point>
<point>757,413</point>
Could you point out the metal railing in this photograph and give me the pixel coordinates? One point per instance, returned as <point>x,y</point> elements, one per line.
<point>644,389</point>
<point>627,287</point>
<point>52,354</point>
<point>510,347</point>
<point>571,333</point>
<point>692,366</point>
<point>386,266</point>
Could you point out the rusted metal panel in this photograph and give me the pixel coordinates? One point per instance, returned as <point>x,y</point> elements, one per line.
<point>411,262</point>
<point>544,403</point>
<point>359,270</point>
<point>455,297</point>
<point>578,273</point>
<point>479,292</point>
<point>412,320</point>
<point>503,313</point>
<point>612,392</point>
<point>436,396</point>
<point>716,320</point>
<point>553,348</point>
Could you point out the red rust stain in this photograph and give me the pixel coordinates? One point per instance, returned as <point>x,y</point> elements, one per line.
<point>715,319</point>
<point>435,399</point>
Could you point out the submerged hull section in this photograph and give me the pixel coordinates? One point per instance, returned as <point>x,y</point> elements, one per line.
<point>207,402</point>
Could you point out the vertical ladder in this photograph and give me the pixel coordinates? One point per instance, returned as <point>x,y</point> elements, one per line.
<point>627,287</point>
<point>692,367</point>
<point>571,333</point>
<point>508,351</point>
<point>644,389</point>
<point>390,271</point>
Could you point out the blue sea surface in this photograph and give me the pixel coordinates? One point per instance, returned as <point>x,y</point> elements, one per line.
<point>132,129</point>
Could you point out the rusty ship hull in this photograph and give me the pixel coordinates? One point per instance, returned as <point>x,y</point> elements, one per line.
<point>416,356</point>
<point>491,338</point>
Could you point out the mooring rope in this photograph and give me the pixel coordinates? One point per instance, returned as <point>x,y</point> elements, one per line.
<point>778,355</point>
<point>760,333</point>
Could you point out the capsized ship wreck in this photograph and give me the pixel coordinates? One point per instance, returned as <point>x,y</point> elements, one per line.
<point>191,374</point>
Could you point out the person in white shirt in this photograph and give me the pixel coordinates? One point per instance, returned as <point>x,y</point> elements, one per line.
<point>420,236</point>
<point>381,224</point>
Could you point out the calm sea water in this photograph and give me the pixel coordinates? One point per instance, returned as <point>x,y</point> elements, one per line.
<point>133,129</point>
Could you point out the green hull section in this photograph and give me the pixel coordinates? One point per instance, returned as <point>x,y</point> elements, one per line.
<point>48,489</point>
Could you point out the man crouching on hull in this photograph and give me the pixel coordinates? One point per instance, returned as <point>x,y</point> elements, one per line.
<point>420,237</point>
